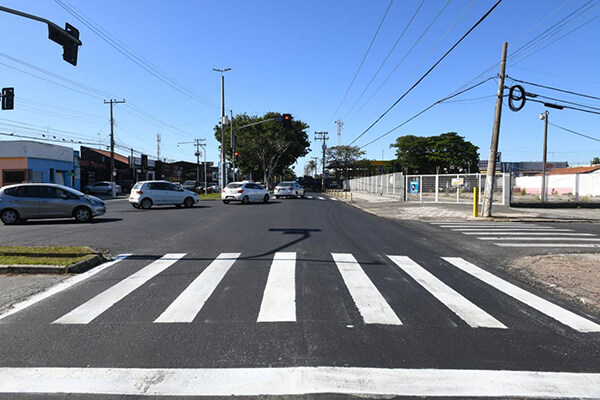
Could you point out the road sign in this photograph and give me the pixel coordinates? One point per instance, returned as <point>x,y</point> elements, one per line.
<point>414,187</point>
<point>458,182</point>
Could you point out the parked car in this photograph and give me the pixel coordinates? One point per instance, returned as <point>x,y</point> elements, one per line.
<point>244,192</point>
<point>101,188</point>
<point>289,189</point>
<point>213,187</point>
<point>193,186</point>
<point>24,201</point>
<point>146,194</point>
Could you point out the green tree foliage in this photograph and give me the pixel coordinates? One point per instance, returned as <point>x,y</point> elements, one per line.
<point>447,153</point>
<point>343,158</point>
<point>596,160</point>
<point>265,149</point>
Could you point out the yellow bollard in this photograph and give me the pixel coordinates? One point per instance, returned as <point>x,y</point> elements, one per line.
<point>351,196</point>
<point>475,202</point>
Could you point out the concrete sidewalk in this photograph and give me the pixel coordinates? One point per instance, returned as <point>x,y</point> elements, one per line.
<point>389,207</point>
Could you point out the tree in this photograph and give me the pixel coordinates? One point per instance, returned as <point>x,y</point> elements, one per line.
<point>311,168</point>
<point>343,158</point>
<point>266,148</point>
<point>596,160</point>
<point>446,153</point>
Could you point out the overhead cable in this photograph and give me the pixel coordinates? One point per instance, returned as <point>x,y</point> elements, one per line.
<point>574,132</point>
<point>554,88</point>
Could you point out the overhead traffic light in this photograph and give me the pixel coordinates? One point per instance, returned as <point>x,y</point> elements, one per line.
<point>8,98</point>
<point>287,120</point>
<point>68,38</point>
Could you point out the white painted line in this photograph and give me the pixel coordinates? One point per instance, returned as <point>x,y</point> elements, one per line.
<point>547,245</point>
<point>572,239</point>
<point>321,198</point>
<point>189,303</point>
<point>552,310</point>
<point>90,310</point>
<point>528,233</point>
<point>301,381</point>
<point>370,303</point>
<point>447,223</point>
<point>279,299</point>
<point>333,198</point>
<point>511,230</point>
<point>309,197</point>
<point>491,226</point>
<point>467,311</point>
<point>61,286</point>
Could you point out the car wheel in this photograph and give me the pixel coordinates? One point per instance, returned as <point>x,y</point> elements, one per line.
<point>135,205</point>
<point>82,214</point>
<point>188,202</point>
<point>245,200</point>
<point>266,198</point>
<point>146,204</point>
<point>9,217</point>
<point>226,201</point>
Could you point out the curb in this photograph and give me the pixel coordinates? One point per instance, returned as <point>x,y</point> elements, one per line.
<point>76,268</point>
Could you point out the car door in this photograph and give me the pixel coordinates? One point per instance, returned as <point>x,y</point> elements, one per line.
<point>27,201</point>
<point>158,192</point>
<point>174,194</point>
<point>49,202</point>
<point>255,191</point>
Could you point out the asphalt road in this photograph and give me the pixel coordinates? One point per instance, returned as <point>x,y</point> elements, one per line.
<point>271,288</point>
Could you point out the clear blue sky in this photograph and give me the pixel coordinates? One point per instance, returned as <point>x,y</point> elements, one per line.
<point>300,57</point>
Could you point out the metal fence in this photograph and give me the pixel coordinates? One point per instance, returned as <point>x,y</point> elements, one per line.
<point>452,188</point>
<point>573,188</point>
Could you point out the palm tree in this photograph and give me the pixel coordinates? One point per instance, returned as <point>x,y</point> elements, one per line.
<point>312,166</point>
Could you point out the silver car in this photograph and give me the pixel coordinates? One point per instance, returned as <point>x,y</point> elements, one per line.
<point>289,189</point>
<point>101,188</point>
<point>21,202</point>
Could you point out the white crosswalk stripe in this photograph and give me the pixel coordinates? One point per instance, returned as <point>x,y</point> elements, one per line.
<point>309,197</point>
<point>192,299</point>
<point>279,302</point>
<point>321,198</point>
<point>87,312</point>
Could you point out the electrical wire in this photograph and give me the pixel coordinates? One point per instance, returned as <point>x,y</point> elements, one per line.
<point>430,69</point>
<point>364,58</point>
<point>574,132</point>
<point>554,88</point>
<point>563,106</point>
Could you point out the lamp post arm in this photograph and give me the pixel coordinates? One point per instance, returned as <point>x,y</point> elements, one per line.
<point>51,25</point>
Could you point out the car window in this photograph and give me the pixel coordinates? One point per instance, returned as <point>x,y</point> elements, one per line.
<point>11,191</point>
<point>137,186</point>
<point>48,192</point>
<point>61,193</point>
<point>174,188</point>
<point>28,191</point>
<point>286,184</point>
<point>158,186</point>
<point>234,185</point>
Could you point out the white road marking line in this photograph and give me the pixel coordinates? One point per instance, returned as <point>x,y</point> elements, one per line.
<point>467,311</point>
<point>279,299</point>
<point>520,238</point>
<point>301,381</point>
<point>321,198</point>
<point>90,310</point>
<point>529,233</point>
<point>511,230</point>
<point>552,310</point>
<point>189,303</point>
<point>61,286</point>
<point>333,198</point>
<point>547,245</point>
<point>446,223</point>
<point>370,303</point>
<point>309,197</point>
<point>492,226</point>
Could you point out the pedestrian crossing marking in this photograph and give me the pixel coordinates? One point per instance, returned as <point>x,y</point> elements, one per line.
<point>370,303</point>
<point>192,299</point>
<point>546,245</point>
<point>538,238</point>
<point>309,197</point>
<point>533,229</point>
<point>463,308</point>
<point>321,198</point>
<point>529,233</point>
<point>279,298</point>
<point>90,310</point>
<point>560,314</point>
<point>334,199</point>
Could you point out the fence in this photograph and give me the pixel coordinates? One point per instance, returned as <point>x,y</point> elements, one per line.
<point>452,188</point>
<point>574,188</point>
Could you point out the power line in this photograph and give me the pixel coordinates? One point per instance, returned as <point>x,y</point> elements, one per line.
<point>425,110</point>
<point>430,69</point>
<point>556,89</point>
<point>574,132</point>
<point>561,106</point>
<point>364,58</point>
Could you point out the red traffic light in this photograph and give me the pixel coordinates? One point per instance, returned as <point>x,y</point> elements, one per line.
<point>236,153</point>
<point>287,120</point>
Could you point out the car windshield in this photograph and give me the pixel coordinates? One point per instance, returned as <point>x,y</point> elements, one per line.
<point>189,182</point>
<point>234,185</point>
<point>286,184</point>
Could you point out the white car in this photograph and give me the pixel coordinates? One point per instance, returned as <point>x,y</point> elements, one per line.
<point>244,192</point>
<point>289,189</point>
<point>159,193</point>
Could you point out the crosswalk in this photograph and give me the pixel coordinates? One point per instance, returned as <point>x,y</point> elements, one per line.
<point>375,306</point>
<point>520,234</point>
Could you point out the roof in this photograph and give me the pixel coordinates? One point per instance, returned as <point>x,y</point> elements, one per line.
<point>105,153</point>
<point>574,170</point>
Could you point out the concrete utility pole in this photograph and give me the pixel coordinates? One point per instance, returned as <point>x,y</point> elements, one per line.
<point>322,136</point>
<point>340,126</point>
<point>199,143</point>
<point>222,174</point>
<point>488,196</point>
<point>232,146</point>
<point>544,116</point>
<point>158,146</point>
<point>113,172</point>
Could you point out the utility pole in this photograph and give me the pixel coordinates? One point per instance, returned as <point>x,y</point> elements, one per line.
<point>200,142</point>
<point>544,116</point>
<point>222,162</point>
<point>132,165</point>
<point>340,126</point>
<point>323,137</point>
<point>232,146</point>
<point>113,173</point>
<point>158,146</point>
<point>488,196</point>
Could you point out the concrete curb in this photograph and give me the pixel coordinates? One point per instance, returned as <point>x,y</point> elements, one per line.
<point>76,268</point>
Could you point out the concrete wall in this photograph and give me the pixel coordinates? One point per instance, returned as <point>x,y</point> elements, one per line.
<point>18,163</point>
<point>576,184</point>
<point>30,149</point>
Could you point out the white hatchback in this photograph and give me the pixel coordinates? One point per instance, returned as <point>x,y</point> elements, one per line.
<point>148,193</point>
<point>289,189</point>
<point>244,192</point>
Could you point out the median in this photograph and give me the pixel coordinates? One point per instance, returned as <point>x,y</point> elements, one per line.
<point>48,259</point>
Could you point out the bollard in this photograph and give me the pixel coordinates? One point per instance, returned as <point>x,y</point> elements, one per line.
<point>475,202</point>
<point>351,196</point>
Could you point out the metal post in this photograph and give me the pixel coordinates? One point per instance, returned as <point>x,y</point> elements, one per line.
<point>222,174</point>
<point>544,194</point>
<point>491,171</point>
<point>232,146</point>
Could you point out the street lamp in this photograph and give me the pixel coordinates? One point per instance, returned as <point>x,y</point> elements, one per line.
<point>544,117</point>
<point>222,174</point>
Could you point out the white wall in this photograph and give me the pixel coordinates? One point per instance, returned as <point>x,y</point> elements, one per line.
<point>26,148</point>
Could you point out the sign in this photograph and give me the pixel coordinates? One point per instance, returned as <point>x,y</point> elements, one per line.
<point>414,187</point>
<point>456,182</point>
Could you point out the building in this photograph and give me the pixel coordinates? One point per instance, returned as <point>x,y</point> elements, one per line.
<point>95,167</point>
<point>29,161</point>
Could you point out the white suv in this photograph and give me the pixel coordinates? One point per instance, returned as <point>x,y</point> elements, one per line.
<point>289,189</point>
<point>159,193</point>
<point>244,192</point>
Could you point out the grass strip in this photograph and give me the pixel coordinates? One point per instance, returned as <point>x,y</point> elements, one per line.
<point>44,255</point>
<point>209,196</point>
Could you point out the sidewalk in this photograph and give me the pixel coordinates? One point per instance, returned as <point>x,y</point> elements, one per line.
<point>389,207</point>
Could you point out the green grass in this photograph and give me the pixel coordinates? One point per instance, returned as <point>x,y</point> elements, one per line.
<point>209,196</point>
<point>50,255</point>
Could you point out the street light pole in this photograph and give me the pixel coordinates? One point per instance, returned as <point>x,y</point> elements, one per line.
<point>222,162</point>
<point>544,116</point>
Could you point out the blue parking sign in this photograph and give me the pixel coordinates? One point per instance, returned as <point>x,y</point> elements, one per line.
<point>414,187</point>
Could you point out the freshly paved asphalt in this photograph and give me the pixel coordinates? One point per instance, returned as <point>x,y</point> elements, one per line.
<point>329,330</point>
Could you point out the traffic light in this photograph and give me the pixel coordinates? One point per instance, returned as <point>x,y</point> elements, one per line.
<point>8,98</point>
<point>68,38</point>
<point>236,153</point>
<point>287,120</point>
